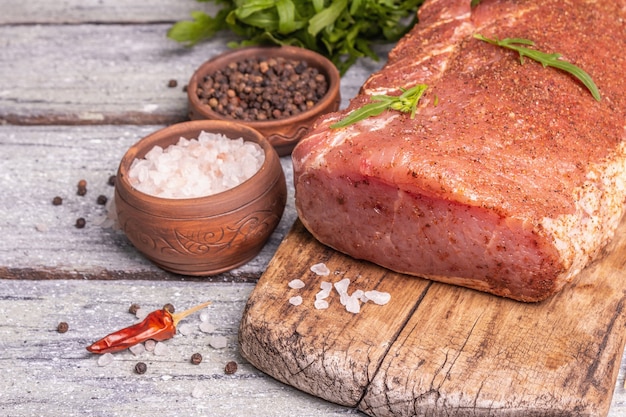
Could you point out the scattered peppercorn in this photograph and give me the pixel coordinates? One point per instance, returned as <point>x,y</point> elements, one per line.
<point>57,201</point>
<point>169,307</point>
<point>111,180</point>
<point>230,368</point>
<point>80,223</point>
<point>263,89</point>
<point>82,188</point>
<point>172,84</point>
<point>82,184</point>
<point>141,368</point>
<point>185,88</point>
<point>196,358</point>
<point>63,327</point>
<point>133,308</point>
<point>102,199</point>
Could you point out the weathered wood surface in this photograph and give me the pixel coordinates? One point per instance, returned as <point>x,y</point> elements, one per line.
<point>46,373</point>
<point>81,80</point>
<point>435,349</point>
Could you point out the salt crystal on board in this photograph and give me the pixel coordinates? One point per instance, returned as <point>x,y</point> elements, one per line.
<point>296,300</point>
<point>326,287</point>
<point>296,284</point>
<point>320,269</point>
<point>321,304</point>
<point>353,304</point>
<point>378,297</point>
<point>342,290</point>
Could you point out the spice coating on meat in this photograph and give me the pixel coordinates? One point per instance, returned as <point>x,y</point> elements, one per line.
<point>509,179</point>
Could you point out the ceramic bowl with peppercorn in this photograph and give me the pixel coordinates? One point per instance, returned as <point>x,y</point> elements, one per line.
<point>278,90</point>
<point>200,197</point>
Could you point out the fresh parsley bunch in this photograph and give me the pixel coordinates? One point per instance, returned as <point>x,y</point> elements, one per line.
<point>342,30</point>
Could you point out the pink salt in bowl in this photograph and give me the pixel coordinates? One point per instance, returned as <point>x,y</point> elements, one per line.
<point>209,234</point>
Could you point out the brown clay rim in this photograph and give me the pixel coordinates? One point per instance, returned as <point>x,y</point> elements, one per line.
<point>216,204</point>
<point>314,59</point>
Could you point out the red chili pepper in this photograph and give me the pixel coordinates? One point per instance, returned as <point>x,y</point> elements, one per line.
<point>158,325</point>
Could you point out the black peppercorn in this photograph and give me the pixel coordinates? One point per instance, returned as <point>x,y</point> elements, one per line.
<point>196,358</point>
<point>82,188</point>
<point>111,180</point>
<point>230,368</point>
<point>102,200</point>
<point>63,327</point>
<point>141,368</point>
<point>169,307</point>
<point>255,88</point>
<point>133,308</point>
<point>172,83</point>
<point>57,201</point>
<point>80,223</point>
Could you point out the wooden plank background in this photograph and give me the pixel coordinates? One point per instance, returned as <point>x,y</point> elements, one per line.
<point>80,81</point>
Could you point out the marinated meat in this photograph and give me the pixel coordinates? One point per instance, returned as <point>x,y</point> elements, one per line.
<point>510,178</point>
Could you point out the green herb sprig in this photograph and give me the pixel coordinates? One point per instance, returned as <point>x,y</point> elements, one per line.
<point>342,30</point>
<point>406,103</point>
<point>547,60</point>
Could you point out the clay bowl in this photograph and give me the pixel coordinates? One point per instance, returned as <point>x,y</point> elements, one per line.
<point>282,133</point>
<point>206,235</point>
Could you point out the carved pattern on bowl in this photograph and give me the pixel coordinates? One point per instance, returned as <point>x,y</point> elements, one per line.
<point>185,242</point>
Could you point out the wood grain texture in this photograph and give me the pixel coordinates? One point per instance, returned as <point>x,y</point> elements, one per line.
<point>435,349</point>
<point>115,74</point>
<point>80,80</point>
<point>99,11</point>
<point>46,373</point>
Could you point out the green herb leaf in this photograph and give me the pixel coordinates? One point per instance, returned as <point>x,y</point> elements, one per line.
<point>547,60</point>
<point>406,103</point>
<point>201,27</point>
<point>342,30</point>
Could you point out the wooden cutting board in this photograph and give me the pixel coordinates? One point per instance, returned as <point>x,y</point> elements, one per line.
<point>436,349</point>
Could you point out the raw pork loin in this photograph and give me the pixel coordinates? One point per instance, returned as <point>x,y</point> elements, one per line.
<point>510,178</point>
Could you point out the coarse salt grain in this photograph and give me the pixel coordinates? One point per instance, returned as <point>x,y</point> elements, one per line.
<point>106,359</point>
<point>186,329</point>
<point>352,304</point>
<point>204,316</point>
<point>378,297</point>
<point>142,313</point>
<point>320,269</point>
<point>149,345</point>
<point>137,349</point>
<point>198,391</point>
<point>207,327</point>
<point>161,349</point>
<point>296,284</point>
<point>218,342</point>
<point>321,304</point>
<point>191,168</point>
<point>296,300</point>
